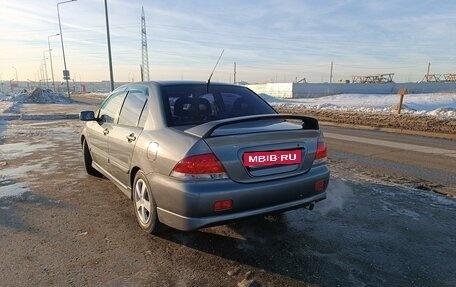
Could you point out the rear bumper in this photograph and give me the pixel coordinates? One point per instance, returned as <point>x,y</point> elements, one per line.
<point>190,223</point>
<point>189,205</point>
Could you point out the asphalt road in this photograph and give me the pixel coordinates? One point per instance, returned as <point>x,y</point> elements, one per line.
<point>415,161</point>
<point>60,227</point>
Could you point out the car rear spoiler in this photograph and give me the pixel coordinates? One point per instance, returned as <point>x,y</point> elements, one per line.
<point>205,130</point>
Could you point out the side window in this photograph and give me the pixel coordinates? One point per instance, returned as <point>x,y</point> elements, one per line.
<point>111,106</point>
<point>132,108</point>
<point>143,118</point>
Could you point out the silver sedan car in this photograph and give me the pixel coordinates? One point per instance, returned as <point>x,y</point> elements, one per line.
<point>193,154</point>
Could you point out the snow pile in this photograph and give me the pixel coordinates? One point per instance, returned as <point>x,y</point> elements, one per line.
<point>97,95</point>
<point>38,96</point>
<point>438,104</point>
<point>405,108</point>
<point>448,112</point>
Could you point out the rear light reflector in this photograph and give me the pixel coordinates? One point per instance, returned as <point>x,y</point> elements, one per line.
<point>321,155</point>
<point>199,167</point>
<point>320,185</point>
<point>223,205</point>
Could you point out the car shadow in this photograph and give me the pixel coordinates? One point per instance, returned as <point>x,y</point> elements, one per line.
<point>13,208</point>
<point>280,244</point>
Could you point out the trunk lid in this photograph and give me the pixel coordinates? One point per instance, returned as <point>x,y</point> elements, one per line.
<point>261,148</point>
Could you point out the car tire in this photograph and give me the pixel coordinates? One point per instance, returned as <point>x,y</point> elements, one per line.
<point>88,160</point>
<point>144,204</point>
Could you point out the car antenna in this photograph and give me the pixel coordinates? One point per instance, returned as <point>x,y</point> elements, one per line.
<point>215,67</point>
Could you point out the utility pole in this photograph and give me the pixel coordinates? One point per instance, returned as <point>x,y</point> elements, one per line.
<point>50,59</point>
<point>111,75</point>
<point>45,68</point>
<point>145,56</point>
<point>428,69</point>
<point>17,80</point>
<point>234,73</point>
<point>331,74</point>
<point>66,73</point>
<point>41,74</point>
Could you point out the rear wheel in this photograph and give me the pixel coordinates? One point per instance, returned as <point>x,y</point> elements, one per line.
<point>144,204</point>
<point>88,160</point>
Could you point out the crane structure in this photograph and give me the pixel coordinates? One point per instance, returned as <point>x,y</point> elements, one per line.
<point>145,57</point>
<point>438,78</point>
<point>374,79</point>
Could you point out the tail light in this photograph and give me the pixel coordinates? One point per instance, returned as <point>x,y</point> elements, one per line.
<point>199,167</point>
<point>321,153</point>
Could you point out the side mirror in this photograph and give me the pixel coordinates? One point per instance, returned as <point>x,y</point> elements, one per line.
<point>87,116</point>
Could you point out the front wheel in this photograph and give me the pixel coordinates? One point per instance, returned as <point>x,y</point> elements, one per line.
<point>144,204</point>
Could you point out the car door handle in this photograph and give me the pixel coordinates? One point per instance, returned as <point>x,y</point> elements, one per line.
<point>131,137</point>
<point>105,131</point>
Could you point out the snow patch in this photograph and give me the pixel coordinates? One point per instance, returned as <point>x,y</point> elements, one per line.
<point>38,96</point>
<point>12,190</point>
<point>437,104</point>
<point>20,150</point>
<point>447,112</point>
<point>21,171</point>
<point>395,107</point>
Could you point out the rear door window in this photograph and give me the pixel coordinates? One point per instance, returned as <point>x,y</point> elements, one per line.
<point>132,107</point>
<point>143,118</point>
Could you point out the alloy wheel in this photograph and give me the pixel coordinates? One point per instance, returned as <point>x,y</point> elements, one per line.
<point>142,201</point>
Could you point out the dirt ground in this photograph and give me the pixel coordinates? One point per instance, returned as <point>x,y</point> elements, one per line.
<point>406,123</point>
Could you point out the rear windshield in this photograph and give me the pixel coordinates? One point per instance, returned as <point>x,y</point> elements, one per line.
<point>194,104</point>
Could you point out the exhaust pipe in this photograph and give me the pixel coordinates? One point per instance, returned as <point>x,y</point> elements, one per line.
<point>310,206</point>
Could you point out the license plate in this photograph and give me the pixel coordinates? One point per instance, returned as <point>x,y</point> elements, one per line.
<point>278,157</point>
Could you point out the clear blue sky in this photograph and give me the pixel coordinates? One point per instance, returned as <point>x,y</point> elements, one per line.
<point>271,40</point>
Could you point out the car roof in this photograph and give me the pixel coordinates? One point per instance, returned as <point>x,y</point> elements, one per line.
<point>159,84</point>
<point>183,82</point>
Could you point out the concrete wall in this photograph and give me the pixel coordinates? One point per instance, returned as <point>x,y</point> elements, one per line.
<point>311,90</point>
<point>278,90</point>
